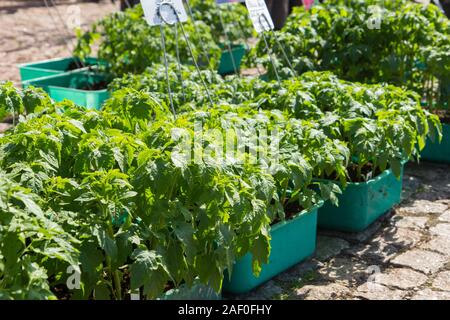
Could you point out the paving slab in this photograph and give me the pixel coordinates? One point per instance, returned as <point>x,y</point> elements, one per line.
<point>428,294</point>
<point>401,278</point>
<point>375,291</point>
<point>328,247</point>
<point>401,238</point>
<point>421,260</point>
<point>330,291</point>
<point>438,244</point>
<point>442,281</point>
<point>441,229</point>
<point>422,207</point>
<point>410,222</point>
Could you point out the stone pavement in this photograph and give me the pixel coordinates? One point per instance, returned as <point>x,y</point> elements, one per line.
<point>29,32</point>
<point>4,127</point>
<point>403,255</point>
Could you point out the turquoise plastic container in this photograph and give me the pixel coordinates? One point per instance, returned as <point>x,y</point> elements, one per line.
<point>438,152</point>
<point>292,242</point>
<point>264,77</point>
<point>35,70</point>
<point>66,86</point>
<point>360,204</point>
<point>226,62</point>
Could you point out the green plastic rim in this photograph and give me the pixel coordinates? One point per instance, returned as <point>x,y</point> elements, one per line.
<point>66,86</point>
<point>438,152</point>
<point>293,241</point>
<point>362,203</point>
<point>50,67</point>
<point>226,62</point>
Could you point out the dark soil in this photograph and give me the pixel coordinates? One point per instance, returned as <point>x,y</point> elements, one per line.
<point>8,119</point>
<point>291,210</point>
<point>126,282</point>
<point>100,85</point>
<point>76,64</point>
<point>62,292</point>
<point>366,173</point>
<point>169,286</point>
<point>444,115</point>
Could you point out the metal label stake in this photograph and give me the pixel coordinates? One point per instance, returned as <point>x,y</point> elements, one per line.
<point>163,44</point>
<point>196,66</point>
<point>263,16</point>
<point>165,21</point>
<point>228,40</point>
<point>80,64</point>
<point>204,51</point>
<point>260,17</point>
<point>180,72</point>
<point>127,3</point>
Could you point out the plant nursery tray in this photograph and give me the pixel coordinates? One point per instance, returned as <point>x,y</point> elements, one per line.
<point>438,152</point>
<point>226,61</point>
<point>72,86</point>
<point>360,204</point>
<point>34,70</point>
<point>292,242</point>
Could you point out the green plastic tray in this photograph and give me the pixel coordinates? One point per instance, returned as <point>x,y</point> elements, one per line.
<point>64,86</point>
<point>264,77</point>
<point>35,70</point>
<point>438,152</point>
<point>292,242</point>
<point>360,204</point>
<point>226,62</point>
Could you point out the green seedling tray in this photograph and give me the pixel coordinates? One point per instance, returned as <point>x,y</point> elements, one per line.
<point>360,204</point>
<point>438,152</point>
<point>292,242</point>
<point>66,86</point>
<point>264,77</point>
<point>40,69</point>
<point>226,62</point>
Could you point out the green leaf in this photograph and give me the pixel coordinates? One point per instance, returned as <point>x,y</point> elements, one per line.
<point>102,292</point>
<point>260,252</point>
<point>106,243</point>
<point>142,271</point>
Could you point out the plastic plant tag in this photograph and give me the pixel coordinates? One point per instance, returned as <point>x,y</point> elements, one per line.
<point>260,16</point>
<point>228,1</point>
<point>159,12</point>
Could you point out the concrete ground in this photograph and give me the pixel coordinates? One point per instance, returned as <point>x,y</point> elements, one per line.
<point>30,32</point>
<point>404,255</point>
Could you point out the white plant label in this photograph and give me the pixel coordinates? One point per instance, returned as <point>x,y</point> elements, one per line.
<point>159,12</point>
<point>260,16</point>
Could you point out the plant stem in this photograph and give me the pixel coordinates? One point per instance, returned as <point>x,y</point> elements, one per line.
<point>114,273</point>
<point>283,197</point>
